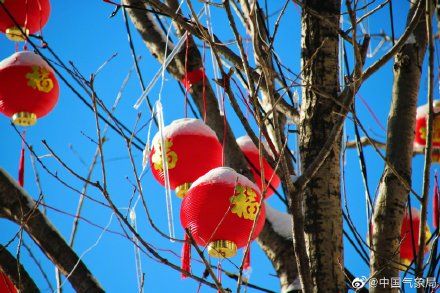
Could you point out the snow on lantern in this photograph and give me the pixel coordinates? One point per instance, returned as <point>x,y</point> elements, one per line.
<point>421,127</point>
<point>191,148</point>
<point>6,285</point>
<point>220,209</point>
<point>28,88</point>
<point>410,236</point>
<point>30,15</point>
<point>252,155</point>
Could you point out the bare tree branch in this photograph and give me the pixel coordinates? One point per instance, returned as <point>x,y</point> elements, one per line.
<point>16,272</point>
<point>20,208</point>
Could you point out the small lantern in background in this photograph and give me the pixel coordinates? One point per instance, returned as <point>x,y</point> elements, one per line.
<point>410,236</point>
<point>28,90</point>
<point>252,156</point>
<point>220,210</point>
<point>30,15</point>
<point>191,148</point>
<point>421,129</point>
<point>6,285</point>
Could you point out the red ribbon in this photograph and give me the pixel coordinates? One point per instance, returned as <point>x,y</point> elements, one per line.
<point>247,259</point>
<point>435,206</point>
<point>193,77</point>
<point>21,163</point>
<point>186,257</point>
<point>21,169</point>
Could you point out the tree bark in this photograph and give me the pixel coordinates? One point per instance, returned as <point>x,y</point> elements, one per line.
<point>391,202</point>
<point>17,206</point>
<point>323,217</point>
<point>280,252</point>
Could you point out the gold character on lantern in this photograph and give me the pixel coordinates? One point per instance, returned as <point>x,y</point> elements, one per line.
<point>156,158</point>
<point>244,203</point>
<point>39,79</point>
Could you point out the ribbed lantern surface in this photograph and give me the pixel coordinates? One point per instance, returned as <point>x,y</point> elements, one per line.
<point>191,149</point>
<point>421,127</point>
<point>29,89</point>
<point>252,155</point>
<point>220,209</point>
<point>30,15</point>
<point>410,236</point>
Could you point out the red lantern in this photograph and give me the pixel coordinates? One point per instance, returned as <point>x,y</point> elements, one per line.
<point>28,88</point>
<point>252,155</point>
<point>420,135</point>
<point>30,15</point>
<point>220,209</point>
<point>192,149</point>
<point>6,285</point>
<point>408,237</point>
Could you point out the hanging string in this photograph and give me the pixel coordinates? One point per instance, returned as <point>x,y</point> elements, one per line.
<point>186,72</point>
<point>43,44</point>
<point>169,204</point>
<point>373,115</point>
<point>247,260</point>
<point>412,232</point>
<point>219,273</point>
<point>215,65</point>
<point>204,83</point>
<point>21,162</point>
<point>391,20</point>
<point>137,254</point>
<point>25,26</point>
<point>224,124</point>
<point>435,205</point>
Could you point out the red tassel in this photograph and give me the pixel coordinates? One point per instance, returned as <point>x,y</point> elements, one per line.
<point>247,259</point>
<point>435,205</point>
<point>21,166</point>
<point>186,257</point>
<point>193,77</point>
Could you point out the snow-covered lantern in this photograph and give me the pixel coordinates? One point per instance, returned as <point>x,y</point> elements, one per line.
<point>28,89</point>
<point>409,234</point>
<point>221,210</point>
<point>191,149</point>
<point>421,130</point>
<point>250,151</point>
<point>30,15</point>
<point>6,285</point>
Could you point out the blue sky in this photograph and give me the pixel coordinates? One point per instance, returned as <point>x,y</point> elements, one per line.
<point>82,32</point>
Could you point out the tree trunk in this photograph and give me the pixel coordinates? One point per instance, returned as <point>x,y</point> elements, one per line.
<point>392,199</point>
<point>323,218</point>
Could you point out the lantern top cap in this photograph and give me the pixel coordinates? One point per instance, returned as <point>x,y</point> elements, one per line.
<point>24,58</point>
<point>185,126</point>
<point>247,145</point>
<point>225,175</point>
<point>423,110</point>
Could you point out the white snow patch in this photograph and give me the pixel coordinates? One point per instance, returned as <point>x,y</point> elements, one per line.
<point>411,39</point>
<point>185,126</point>
<point>24,58</point>
<point>422,111</point>
<point>246,145</point>
<point>225,175</point>
<point>415,214</point>
<point>281,222</point>
<point>296,285</point>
